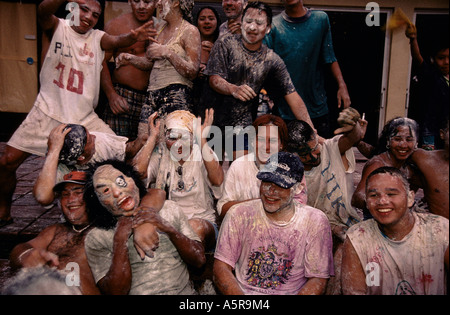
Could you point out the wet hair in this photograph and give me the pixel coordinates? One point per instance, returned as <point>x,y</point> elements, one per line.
<point>268,119</point>
<point>391,128</point>
<point>186,7</point>
<point>217,30</point>
<point>395,172</point>
<point>100,216</point>
<point>299,133</point>
<point>74,144</point>
<point>262,7</point>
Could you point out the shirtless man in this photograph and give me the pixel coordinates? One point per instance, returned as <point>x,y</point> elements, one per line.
<point>62,243</point>
<point>434,170</point>
<point>126,87</point>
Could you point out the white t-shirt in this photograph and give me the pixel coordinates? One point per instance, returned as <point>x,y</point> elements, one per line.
<point>330,185</point>
<point>196,197</point>
<point>242,184</point>
<point>165,273</point>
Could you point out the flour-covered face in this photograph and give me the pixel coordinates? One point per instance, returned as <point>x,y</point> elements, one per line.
<point>254,26</point>
<point>116,192</point>
<point>179,143</point>
<point>143,9</point>
<point>164,6</point>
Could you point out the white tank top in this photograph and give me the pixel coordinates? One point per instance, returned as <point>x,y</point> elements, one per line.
<point>163,73</point>
<point>70,75</point>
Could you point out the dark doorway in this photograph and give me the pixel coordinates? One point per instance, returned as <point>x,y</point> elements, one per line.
<point>360,53</point>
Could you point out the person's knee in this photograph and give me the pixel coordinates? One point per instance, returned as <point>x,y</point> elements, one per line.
<point>11,159</point>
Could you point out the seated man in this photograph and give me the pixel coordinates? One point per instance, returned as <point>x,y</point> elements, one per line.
<point>61,244</point>
<point>72,147</point>
<point>114,192</point>
<point>273,244</point>
<point>329,171</point>
<point>405,252</point>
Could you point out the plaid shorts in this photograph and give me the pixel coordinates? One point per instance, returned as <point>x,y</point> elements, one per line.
<point>126,124</point>
<point>166,100</point>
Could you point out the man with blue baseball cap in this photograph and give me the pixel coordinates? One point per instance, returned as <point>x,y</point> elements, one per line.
<point>273,244</point>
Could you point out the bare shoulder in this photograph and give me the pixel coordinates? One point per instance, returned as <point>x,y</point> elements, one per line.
<point>191,32</point>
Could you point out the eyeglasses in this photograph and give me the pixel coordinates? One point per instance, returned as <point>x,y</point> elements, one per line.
<point>180,184</point>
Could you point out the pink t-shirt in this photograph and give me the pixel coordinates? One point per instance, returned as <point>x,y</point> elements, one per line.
<point>275,258</point>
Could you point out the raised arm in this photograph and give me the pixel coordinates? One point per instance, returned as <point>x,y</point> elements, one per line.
<point>353,129</point>
<point>142,158</point>
<point>212,165</point>
<point>43,187</point>
<point>46,14</point>
<point>142,33</point>
<point>411,33</point>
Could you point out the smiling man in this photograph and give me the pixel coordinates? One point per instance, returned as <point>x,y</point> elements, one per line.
<point>238,68</point>
<point>273,244</point>
<point>62,243</point>
<point>404,252</point>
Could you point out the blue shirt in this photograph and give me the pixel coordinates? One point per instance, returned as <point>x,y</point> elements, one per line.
<point>305,45</point>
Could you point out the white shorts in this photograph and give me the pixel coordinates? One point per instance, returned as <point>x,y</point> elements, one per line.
<point>32,134</point>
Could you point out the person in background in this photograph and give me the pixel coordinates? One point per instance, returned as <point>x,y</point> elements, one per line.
<point>241,183</point>
<point>397,142</point>
<point>433,167</point>
<point>208,22</point>
<point>302,38</point>
<point>174,60</point>
<point>233,10</point>
<point>126,87</point>
<point>405,252</point>
<point>434,83</point>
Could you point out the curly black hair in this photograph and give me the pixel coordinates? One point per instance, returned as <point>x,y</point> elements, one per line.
<point>101,217</point>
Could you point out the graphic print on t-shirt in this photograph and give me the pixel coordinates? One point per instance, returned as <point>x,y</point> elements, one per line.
<point>268,269</point>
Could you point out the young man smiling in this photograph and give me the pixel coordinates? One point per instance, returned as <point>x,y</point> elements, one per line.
<point>273,244</point>
<point>238,68</point>
<point>405,252</point>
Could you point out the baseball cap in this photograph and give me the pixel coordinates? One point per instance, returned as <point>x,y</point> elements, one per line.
<point>283,169</point>
<point>76,177</point>
<point>74,144</point>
